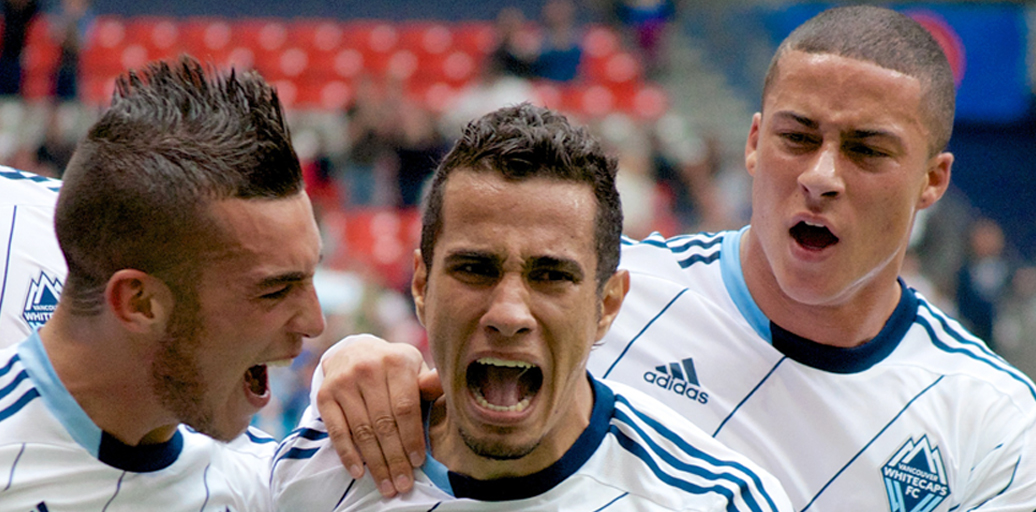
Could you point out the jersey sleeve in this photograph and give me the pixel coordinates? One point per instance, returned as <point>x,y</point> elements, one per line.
<point>1005,478</point>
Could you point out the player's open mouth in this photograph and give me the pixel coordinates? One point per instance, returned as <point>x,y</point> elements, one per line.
<point>257,380</point>
<point>502,385</point>
<point>813,236</point>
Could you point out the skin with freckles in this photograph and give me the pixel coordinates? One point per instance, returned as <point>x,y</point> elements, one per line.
<point>513,278</point>
<point>840,143</point>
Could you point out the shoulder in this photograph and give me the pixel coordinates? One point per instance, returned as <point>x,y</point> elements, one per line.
<point>673,460</point>
<point>685,250</point>
<point>937,343</point>
<point>306,470</point>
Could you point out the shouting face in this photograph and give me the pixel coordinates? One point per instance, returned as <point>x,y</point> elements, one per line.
<point>512,309</point>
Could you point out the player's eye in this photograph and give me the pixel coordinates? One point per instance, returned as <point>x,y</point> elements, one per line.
<point>551,276</point>
<point>280,293</point>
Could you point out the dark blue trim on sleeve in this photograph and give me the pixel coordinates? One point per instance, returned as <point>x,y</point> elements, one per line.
<point>855,359</point>
<point>517,488</point>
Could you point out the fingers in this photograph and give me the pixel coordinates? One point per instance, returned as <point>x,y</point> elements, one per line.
<point>374,410</point>
<point>429,384</point>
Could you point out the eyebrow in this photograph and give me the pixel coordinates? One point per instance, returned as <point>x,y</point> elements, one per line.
<point>282,279</point>
<point>551,262</point>
<point>805,121</point>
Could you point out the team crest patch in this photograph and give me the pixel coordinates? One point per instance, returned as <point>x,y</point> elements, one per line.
<point>915,477</point>
<point>41,300</point>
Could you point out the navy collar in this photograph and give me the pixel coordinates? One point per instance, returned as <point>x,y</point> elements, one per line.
<point>855,359</point>
<point>528,486</point>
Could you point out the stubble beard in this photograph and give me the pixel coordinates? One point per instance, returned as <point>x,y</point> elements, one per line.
<point>176,373</point>
<point>496,450</point>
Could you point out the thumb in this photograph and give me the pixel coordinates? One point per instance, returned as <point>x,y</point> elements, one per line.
<point>429,384</point>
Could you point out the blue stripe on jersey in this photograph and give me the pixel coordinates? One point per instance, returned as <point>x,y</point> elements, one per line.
<point>300,453</point>
<point>10,364</point>
<point>312,434</point>
<point>631,446</point>
<point>635,338</point>
<point>986,356</point>
<point>346,493</point>
<point>737,289</point>
<point>205,481</point>
<point>10,476</point>
<point>749,395</point>
<point>692,451</point>
<point>869,443</point>
<point>699,258</point>
<point>610,503</point>
<point>6,390</point>
<point>7,258</point>
<point>14,174</point>
<point>253,437</point>
<point>18,404</point>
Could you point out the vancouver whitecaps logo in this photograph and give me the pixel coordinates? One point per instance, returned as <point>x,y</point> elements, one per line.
<point>41,300</point>
<point>915,477</point>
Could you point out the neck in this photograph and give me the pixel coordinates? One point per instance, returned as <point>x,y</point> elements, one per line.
<point>108,375</point>
<point>571,419</point>
<point>848,322</point>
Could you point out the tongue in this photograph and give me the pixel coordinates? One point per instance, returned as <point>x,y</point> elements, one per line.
<point>500,386</point>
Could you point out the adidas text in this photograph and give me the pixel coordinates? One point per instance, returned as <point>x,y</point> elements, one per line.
<point>677,386</point>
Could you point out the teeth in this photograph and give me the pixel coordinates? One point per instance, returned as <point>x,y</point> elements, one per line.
<point>280,362</point>
<point>518,407</point>
<point>492,361</point>
<point>808,223</point>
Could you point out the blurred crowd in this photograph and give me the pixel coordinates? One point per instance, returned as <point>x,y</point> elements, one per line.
<point>366,165</point>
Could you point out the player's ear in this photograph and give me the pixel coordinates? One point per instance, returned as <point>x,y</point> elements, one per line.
<point>140,302</point>
<point>937,179</point>
<point>418,284</point>
<point>612,295</point>
<point>752,144</point>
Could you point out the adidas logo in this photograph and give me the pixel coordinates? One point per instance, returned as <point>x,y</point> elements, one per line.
<point>680,378</point>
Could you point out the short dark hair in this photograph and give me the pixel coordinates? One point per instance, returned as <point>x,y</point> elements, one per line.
<point>137,191</point>
<point>522,142</point>
<point>889,39</point>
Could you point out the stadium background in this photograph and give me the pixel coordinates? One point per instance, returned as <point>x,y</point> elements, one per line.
<point>377,90</point>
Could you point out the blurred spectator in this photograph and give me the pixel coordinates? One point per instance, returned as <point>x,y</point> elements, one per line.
<point>686,168</point>
<point>57,146</point>
<point>18,14</point>
<point>628,142</point>
<point>983,279</point>
<point>418,146</point>
<point>646,22</point>
<point>515,53</point>
<point>1015,328</point>
<point>369,132</point>
<point>70,27</point>
<point>560,52</point>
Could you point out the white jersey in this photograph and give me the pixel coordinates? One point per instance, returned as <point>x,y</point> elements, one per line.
<point>636,454</point>
<point>54,459</point>
<point>32,271</point>
<point>923,418</point>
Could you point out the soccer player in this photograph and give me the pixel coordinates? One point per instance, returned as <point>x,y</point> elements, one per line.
<point>515,281</point>
<point>191,247</point>
<point>34,270</point>
<point>793,340</point>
